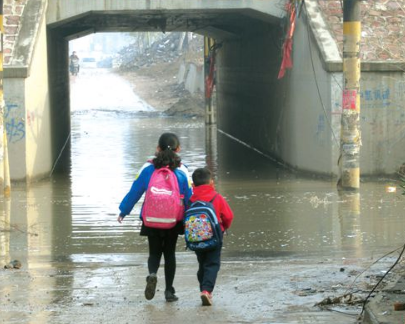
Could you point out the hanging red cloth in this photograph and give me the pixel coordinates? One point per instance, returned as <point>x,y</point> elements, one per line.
<point>287,46</point>
<point>209,81</point>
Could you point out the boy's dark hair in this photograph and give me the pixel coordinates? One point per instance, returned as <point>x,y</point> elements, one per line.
<point>168,144</point>
<point>201,176</point>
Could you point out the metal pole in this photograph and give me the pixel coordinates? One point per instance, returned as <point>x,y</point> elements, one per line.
<point>209,107</point>
<point>350,139</point>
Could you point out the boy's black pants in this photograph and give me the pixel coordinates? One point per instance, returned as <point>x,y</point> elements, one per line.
<point>209,263</point>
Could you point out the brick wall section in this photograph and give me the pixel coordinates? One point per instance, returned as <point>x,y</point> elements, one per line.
<point>12,11</point>
<point>383,34</point>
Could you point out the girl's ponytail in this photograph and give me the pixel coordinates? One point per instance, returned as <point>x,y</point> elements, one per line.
<point>167,156</point>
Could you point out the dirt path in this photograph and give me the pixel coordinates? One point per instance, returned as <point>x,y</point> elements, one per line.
<point>158,86</point>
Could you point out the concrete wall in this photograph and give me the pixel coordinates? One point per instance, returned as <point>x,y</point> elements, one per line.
<point>247,88</point>
<point>60,10</point>
<point>38,125</point>
<point>14,118</point>
<point>381,117</point>
<point>192,76</point>
<point>297,119</point>
<point>58,57</point>
<point>283,118</point>
<point>309,134</point>
<point>382,122</point>
<point>27,112</point>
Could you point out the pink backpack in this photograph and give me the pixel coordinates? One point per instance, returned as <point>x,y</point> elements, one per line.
<point>163,206</point>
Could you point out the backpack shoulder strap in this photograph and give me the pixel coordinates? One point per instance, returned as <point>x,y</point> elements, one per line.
<point>211,201</point>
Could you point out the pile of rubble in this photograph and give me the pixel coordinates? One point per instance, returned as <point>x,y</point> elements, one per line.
<point>158,65</point>
<point>166,49</point>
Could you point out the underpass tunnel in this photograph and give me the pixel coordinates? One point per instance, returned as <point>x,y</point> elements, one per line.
<point>246,68</point>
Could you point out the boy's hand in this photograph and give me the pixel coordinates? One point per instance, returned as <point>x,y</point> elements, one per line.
<point>120,219</point>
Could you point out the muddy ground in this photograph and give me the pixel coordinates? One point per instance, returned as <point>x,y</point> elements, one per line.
<point>110,288</point>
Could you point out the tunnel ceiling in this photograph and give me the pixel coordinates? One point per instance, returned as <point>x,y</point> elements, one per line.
<point>217,25</point>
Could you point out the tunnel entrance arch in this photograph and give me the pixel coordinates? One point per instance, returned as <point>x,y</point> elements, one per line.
<point>223,21</point>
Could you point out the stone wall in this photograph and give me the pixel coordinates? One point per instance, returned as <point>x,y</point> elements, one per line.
<point>12,12</point>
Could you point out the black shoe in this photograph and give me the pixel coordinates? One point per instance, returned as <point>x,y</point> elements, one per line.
<point>170,295</point>
<point>150,289</point>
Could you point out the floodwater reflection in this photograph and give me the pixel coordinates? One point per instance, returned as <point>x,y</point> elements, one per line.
<point>276,211</point>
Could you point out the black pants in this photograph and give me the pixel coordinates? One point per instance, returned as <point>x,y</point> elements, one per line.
<point>165,245</point>
<point>208,267</point>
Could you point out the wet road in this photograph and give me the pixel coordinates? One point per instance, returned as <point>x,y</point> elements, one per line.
<point>288,231</point>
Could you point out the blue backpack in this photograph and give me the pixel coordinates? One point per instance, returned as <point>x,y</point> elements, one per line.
<point>202,229</point>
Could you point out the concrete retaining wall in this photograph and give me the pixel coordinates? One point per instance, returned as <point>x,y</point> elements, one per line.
<point>26,93</point>
<point>192,76</point>
<point>309,132</point>
<point>247,88</point>
<point>297,119</point>
<point>288,118</point>
<point>382,122</point>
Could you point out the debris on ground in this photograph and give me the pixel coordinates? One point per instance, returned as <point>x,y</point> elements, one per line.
<point>15,264</point>
<point>346,299</point>
<point>167,49</point>
<point>399,306</point>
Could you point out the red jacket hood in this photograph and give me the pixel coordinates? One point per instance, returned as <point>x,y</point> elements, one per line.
<point>203,192</point>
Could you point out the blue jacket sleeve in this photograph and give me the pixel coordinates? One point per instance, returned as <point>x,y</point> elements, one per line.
<point>184,185</point>
<point>138,187</point>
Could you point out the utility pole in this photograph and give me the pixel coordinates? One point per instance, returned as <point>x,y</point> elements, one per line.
<point>209,79</point>
<point>350,137</point>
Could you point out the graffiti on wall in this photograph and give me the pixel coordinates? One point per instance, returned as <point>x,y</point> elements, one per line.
<point>376,98</point>
<point>383,95</point>
<point>383,107</point>
<point>320,131</point>
<point>15,126</point>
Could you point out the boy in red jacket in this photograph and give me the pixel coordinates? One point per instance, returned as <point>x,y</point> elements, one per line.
<point>209,261</point>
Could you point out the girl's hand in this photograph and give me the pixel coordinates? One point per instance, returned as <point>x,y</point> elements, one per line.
<point>120,219</point>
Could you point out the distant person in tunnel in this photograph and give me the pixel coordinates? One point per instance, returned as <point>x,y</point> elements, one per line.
<point>74,65</point>
<point>209,261</point>
<point>162,231</point>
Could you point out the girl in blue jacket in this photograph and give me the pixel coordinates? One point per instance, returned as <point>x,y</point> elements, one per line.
<point>161,241</point>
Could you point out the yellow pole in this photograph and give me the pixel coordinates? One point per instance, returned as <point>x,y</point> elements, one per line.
<point>209,108</point>
<point>206,71</point>
<point>350,139</point>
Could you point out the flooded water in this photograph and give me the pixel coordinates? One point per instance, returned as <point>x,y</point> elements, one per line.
<point>276,211</point>
<point>71,219</point>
